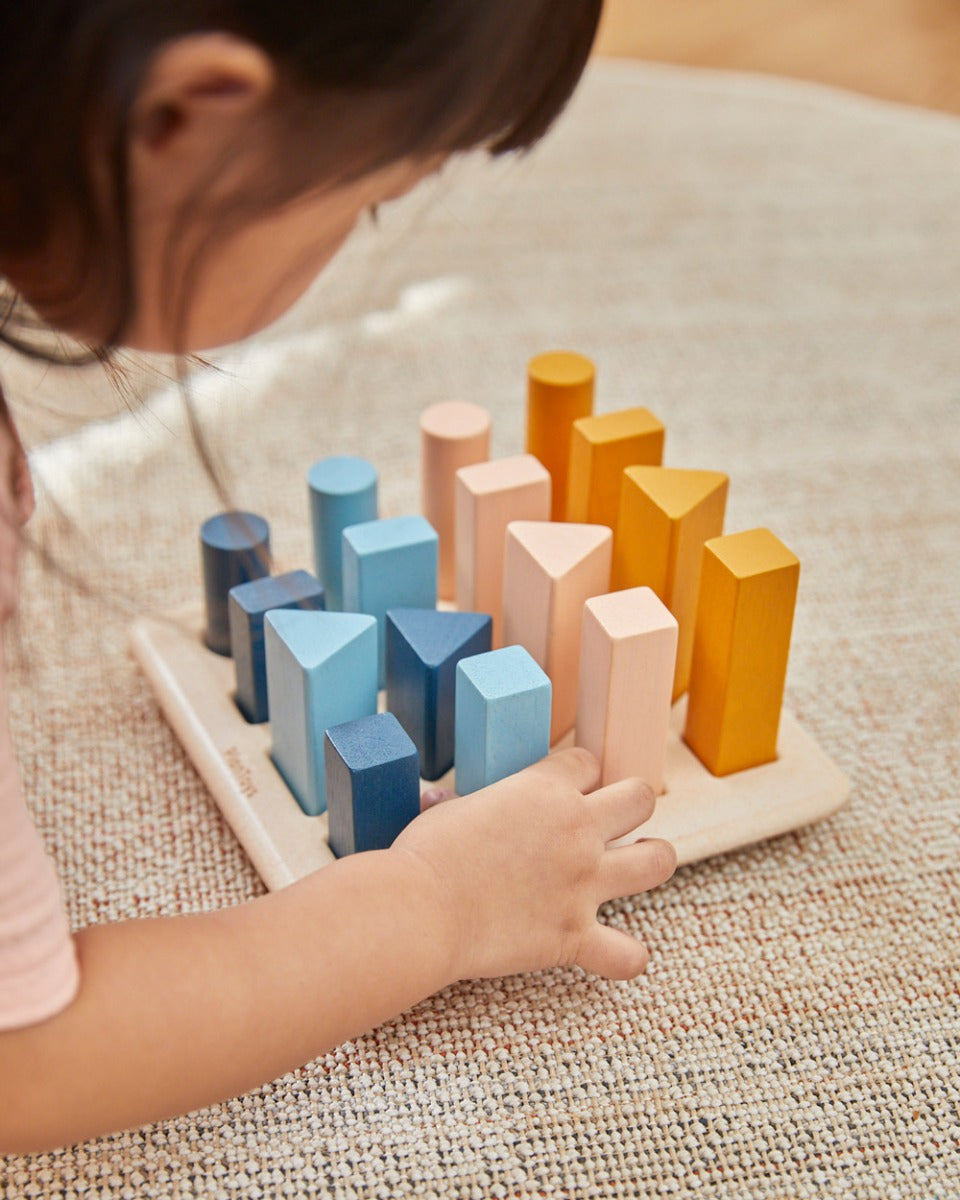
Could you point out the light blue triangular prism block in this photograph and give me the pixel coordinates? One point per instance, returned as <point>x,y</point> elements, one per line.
<point>321,672</point>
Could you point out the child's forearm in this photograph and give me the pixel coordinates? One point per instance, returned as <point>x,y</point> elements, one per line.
<point>180,1012</point>
<point>176,1013</point>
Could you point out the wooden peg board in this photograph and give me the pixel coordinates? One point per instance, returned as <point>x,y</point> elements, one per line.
<point>700,814</point>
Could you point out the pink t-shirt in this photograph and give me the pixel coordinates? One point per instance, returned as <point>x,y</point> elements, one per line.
<point>38,962</point>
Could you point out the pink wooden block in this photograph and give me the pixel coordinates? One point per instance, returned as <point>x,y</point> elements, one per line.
<point>627,658</point>
<point>549,572</point>
<point>488,497</point>
<point>453,434</point>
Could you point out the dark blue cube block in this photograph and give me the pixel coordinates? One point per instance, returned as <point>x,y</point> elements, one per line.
<point>248,603</point>
<point>423,649</point>
<point>373,783</point>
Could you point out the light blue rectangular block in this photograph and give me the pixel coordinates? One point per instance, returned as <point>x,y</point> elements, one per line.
<point>321,672</point>
<point>502,716</point>
<point>389,564</point>
<point>343,491</point>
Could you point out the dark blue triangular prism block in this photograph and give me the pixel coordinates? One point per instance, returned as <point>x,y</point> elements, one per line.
<point>423,647</point>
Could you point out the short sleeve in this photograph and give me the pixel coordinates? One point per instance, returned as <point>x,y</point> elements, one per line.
<point>38,964</point>
<point>39,975</point>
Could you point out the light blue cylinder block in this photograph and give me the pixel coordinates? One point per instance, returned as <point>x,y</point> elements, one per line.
<point>343,491</point>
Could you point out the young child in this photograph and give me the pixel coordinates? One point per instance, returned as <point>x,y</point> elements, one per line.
<point>172,174</point>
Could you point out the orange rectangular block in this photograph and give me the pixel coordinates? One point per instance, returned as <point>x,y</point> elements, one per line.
<point>666,515</point>
<point>748,591</point>
<point>601,448</point>
<point>550,570</point>
<point>560,386</point>
<point>488,497</point>
<point>627,656</point>
<point>453,434</point>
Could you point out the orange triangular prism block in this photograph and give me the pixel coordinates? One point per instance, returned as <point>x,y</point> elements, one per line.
<point>666,516</point>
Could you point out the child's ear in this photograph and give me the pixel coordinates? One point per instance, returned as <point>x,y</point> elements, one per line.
<point>198,85</point>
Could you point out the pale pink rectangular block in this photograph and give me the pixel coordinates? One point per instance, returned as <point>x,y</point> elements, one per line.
<point>628,654</point>
<point>488,497</point>
<point>550,571</point>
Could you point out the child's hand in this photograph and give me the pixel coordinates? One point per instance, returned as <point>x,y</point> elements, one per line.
<point>523,866</point>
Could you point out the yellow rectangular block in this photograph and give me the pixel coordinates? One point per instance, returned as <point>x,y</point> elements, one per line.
<point>560,387</point>
<point>601,448</point>
<point>666,515</point>
<point>748,591</point>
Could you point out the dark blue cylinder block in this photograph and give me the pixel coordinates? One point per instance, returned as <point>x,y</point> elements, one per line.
<point>234,548</point>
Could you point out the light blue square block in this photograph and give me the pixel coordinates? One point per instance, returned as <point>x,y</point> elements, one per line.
<point>502,716</point>
<point>389,564</point>
<point>343,491</point>
<point>321,672</point>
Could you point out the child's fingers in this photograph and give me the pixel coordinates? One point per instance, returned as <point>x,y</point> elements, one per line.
<point>434,796</point>
<point>571,766</point>
<point>612,953</point>
<point>628,870</point>
<point>620,807</point>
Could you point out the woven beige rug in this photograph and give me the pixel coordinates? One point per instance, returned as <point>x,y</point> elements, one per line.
<point>774,269</point>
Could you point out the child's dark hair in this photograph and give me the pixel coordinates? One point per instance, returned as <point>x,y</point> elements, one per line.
<point>361,84</point>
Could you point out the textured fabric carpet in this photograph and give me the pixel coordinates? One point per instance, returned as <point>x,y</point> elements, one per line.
<point>773,269</point>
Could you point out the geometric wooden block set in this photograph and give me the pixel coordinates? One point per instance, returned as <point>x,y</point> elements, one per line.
<point>597,602</point>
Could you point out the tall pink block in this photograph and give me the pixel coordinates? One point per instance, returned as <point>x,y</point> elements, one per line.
<point>488,497</point>
<point>453,434</point>
<point>628,653</point>
<point>549,572</point>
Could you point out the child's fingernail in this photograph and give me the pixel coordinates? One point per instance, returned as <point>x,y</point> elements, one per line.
<point>434,796</point>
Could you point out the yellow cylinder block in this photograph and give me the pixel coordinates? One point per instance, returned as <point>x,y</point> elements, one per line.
<point>560,387</point>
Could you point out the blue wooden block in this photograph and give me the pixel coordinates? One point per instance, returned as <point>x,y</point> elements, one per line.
<point>373,783</point>
<point>503,716</point>
<point>423,649</point>
<point>343,491</point>
<point>389,564</point>
<point>247,605</point>
<point>321,671</point>
<point>234,548</point>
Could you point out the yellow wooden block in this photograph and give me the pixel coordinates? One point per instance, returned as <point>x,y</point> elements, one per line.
<point>748,591</point>
<point>600,450</point>
<point>666,514</point>
<point>560,387</point>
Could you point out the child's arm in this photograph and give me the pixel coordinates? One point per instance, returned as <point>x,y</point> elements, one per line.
<point>175,1013</point>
